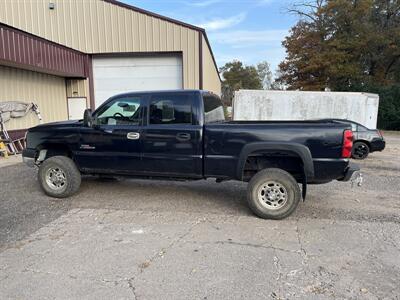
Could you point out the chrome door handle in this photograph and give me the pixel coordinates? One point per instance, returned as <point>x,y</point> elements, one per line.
<point>183,136</point>
<point>133,135</point>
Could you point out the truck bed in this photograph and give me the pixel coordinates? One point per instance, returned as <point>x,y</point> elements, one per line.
<point>225,142</point>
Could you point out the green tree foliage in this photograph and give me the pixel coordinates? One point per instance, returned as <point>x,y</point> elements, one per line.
<point>389,112</point>
<point>238,76</point>
<point>346,45</point>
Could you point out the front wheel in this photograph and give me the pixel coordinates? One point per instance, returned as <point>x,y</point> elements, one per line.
<point>59,177</point>
<point>273,194</point>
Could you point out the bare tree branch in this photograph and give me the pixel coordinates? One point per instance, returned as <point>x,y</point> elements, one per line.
<point>306,9</point>
<point>298,12</point>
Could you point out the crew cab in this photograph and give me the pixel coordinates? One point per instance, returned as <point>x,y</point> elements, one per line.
<point>183,135</point>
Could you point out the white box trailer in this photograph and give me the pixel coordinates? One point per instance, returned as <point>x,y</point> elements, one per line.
<point>297,105</point>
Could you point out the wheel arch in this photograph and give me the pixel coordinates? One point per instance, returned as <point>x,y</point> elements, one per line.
<point>55,149</point>
<point>293,149</point>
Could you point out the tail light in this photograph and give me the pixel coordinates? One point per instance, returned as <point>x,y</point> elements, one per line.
<point>380,133</point>
<point>347,143</point>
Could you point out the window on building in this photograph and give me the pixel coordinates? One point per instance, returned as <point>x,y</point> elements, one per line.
<point>171,109</point>
<point>121,111</point>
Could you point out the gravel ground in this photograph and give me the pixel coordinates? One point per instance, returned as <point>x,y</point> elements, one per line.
<point>136,239</point>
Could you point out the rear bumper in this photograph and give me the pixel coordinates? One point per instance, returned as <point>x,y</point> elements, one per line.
<point>378,145</point>
<point>352,172</point>
<point>330,169</point>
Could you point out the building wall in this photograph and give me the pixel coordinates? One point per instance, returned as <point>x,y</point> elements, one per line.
<point>211,79</point>
<point>97,26</point>
<point>77,88</point>
<point>47,91</point>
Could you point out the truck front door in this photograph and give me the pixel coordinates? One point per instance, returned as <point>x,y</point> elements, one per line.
<point>113,144</point>
<point>172,136</point>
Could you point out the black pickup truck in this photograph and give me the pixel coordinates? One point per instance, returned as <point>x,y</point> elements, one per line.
<point>183,135</point>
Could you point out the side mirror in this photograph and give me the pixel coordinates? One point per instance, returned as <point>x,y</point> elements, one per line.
<point>87,118</point>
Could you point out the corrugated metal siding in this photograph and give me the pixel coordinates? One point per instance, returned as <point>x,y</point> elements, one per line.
<point>47,91</point>
<point>17,47</point>
<point>96,26</point>
<point>211,79</point>
<point>77,88</point>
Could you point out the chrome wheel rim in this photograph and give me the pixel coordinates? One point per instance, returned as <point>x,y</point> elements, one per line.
<point>272,195</point>
<point>56,179</point>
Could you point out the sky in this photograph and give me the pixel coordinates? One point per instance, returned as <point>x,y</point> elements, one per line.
<point>248,30</point>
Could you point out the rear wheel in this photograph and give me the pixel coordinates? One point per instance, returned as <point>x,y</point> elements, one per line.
<point>360,150</point>
<point>273,194</point>
<point>59,177</point>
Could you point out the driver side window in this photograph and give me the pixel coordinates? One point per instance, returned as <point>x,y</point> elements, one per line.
<point>121,111</point>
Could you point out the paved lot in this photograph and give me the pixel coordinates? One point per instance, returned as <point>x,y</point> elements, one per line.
<point>198,240</point>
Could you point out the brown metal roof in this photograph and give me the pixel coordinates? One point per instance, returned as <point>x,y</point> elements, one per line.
<point>27,51</point>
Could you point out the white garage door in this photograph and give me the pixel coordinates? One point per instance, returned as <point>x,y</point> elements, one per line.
<point>115,75</point>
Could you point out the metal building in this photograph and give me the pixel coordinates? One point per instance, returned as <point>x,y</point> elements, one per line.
<point>66,55</point>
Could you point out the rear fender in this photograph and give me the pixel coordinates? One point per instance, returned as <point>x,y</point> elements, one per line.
<point>295,149</point>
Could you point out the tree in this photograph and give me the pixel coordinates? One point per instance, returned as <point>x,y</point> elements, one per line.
<point>276,84</point>
<point>237,76</point>
<point>346,45</point>
<point>265,74</point>
<point>342,44</point>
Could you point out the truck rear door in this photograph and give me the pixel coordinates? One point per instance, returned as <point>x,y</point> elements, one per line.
<point>172,136</point>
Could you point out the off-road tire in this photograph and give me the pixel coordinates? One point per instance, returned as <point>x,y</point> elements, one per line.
<point>285,180</point>
<point>360,146</point>
<point>72,176</point>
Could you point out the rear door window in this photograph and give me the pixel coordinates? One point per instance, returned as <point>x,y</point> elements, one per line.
<point>213,109</point>
<point>362,128</point>
<point>171,109</point>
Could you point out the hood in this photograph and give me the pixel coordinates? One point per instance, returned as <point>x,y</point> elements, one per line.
<point>62,124</point>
